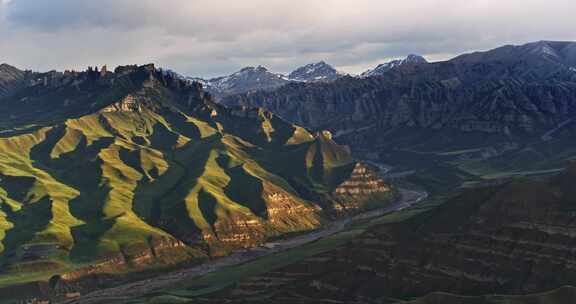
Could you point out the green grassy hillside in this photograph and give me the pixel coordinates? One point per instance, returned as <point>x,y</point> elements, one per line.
<point>158,176</point>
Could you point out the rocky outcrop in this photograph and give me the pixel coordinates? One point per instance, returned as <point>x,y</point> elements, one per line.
<point>360,188</point>
<point>158,251</point>
<point>362,182</point>
<point>128,104</point>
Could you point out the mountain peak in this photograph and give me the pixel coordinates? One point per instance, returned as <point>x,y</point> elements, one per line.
<point>252,69</point>
<point>10,77</point>
<point>247,79</point>
<point>7,67</point>
<point>318,64</point>
<point>414,58</point>
<point>319,71</point>
<point>411,59</point>
<point>541,48</point>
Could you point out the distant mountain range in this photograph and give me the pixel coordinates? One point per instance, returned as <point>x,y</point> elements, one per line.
<point>498,110</point>
<point>251,79</point>
<point>260,78</point>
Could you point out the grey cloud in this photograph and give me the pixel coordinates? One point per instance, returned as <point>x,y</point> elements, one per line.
<point>207,38</point>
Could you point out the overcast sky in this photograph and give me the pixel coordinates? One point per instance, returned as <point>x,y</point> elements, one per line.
<point>215,37</point>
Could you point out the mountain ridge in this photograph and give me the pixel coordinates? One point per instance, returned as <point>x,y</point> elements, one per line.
<point>134,169</point>
<point>478,111</point>
<point>257,78</point>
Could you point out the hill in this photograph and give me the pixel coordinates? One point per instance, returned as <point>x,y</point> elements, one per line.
<point>107,173</point>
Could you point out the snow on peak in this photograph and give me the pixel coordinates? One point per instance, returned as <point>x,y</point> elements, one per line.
<point>260,78</point>
<point>251,70</point>
<point>319,71</point>
<point>542,48</point>
<point>385,67</point>
<point>246,79</point>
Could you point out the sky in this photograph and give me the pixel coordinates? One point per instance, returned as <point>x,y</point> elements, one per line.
<point>208,38</point>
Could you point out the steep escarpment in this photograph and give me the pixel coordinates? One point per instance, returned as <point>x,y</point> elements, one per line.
<point>515,238</point>
<point>134,169</point>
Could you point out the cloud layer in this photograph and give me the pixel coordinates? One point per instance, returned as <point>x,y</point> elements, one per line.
<point>207,38</point>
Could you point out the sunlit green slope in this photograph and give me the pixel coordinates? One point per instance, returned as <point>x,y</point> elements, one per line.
<point>153,174</point>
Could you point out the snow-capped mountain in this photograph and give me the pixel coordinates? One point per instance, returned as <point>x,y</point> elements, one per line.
<point>385,67</point>
<point>260,78</point>
<point>320,71</point>
<point>557,52</point>
<point>247,79</point>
